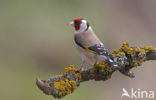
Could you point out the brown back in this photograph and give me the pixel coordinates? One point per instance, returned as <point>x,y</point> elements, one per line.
<point>88,38</point>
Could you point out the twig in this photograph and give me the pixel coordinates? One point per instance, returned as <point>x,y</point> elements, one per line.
<point>126,57</point>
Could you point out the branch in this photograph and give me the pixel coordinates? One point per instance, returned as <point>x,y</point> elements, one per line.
<point>126,57</point>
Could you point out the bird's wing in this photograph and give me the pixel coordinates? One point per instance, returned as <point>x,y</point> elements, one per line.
<point>97,49</point>
<point>100,50</point>
<point>87,38</point>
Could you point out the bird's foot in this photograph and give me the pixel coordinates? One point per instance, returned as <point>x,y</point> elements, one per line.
<point>95,63</point>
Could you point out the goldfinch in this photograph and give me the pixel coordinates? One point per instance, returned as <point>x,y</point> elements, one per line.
<point>89,45</point>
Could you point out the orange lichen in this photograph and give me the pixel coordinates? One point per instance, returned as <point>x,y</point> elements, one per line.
<point>63,87</point>
<point>70,68</point>
<point>149,48</point>
<point>104,67</point>
<point>122,53</point>
<point>142,51</point>
<point>73,83</point>
<point>135,64</point>
<point>78,75</point>
<point>142,60</point>
<point>67,86</point>
<point>125,49</point>
<point>102,64</point>
<point>60,75</point>
<point>128,51</point>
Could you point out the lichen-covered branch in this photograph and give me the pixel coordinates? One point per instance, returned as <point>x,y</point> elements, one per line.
<point>126,57</point>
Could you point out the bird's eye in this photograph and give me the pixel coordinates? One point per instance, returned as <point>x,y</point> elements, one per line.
<point>77,23</point>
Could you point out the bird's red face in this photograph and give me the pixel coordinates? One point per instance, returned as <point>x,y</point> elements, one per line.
<point>77,23</point>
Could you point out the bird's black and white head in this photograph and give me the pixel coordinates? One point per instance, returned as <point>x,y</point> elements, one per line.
<point>80,25</point>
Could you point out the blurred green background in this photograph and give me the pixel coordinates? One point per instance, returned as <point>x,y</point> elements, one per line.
<point>35,41</point>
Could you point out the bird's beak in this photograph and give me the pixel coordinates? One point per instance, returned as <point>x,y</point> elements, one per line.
<point>71,23</point>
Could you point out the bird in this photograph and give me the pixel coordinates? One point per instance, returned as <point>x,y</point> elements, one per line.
<point>89,45</point>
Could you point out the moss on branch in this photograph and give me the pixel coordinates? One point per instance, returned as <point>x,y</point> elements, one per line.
<point>126,57</point>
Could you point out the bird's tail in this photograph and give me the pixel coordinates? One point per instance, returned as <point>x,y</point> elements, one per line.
<point>111,62</point>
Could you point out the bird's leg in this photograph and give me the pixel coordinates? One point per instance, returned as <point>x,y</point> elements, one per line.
<point>96,62</point>
<point>81,69</point>
<point>82,65</point>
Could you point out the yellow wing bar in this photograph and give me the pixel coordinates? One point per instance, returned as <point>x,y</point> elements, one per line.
<point>85,47</point>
